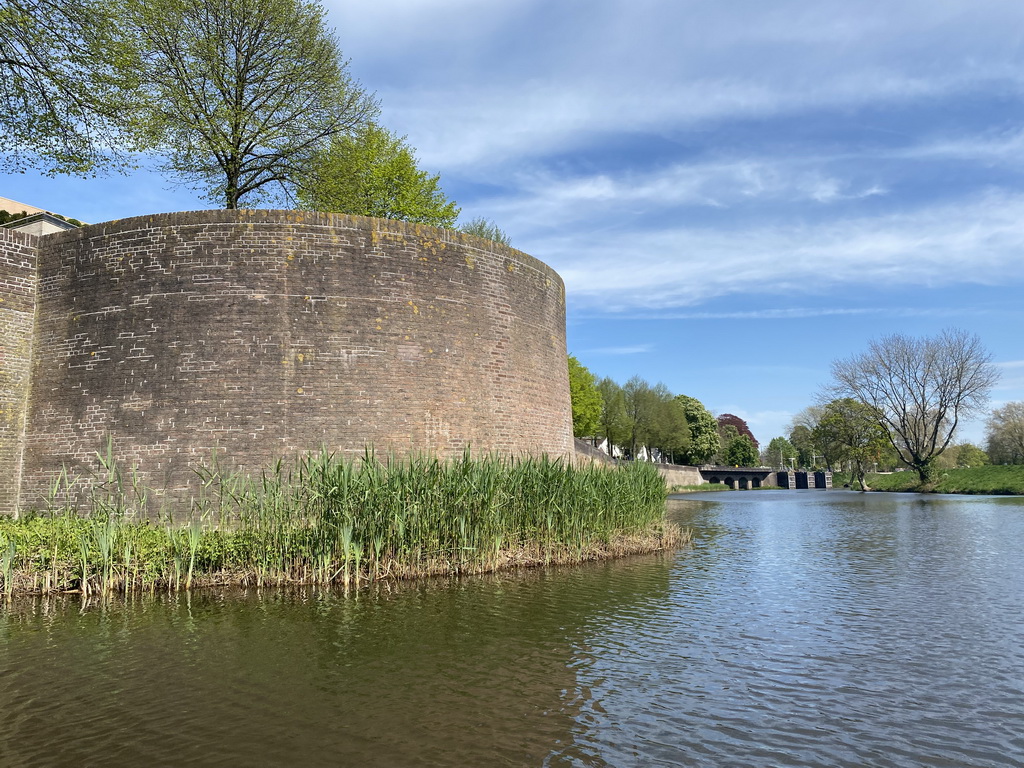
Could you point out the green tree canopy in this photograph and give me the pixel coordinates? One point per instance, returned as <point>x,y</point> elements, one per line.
<point>962,455</point>
<point>243,94</point>
<point>741,452</point>
<point>614,423</point>
<point>1004,434</point>
<point>372,172</point>
<point>800,437</point>
<point>585,398</point>
<point>740,425</point>
<point>487,229</point>
<point>70,95</point>
<point>970,455</point>
<point>779,452</point>
<point>704,443</point>
<point>853,432</point>
<point>641,412</point>
<point>670,433</point>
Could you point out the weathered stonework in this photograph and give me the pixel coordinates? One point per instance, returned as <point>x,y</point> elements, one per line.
<point>17,309</point>
<point>260,334</point>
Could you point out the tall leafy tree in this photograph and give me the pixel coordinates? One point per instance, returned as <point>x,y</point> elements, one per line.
<point>243,94</point>
<point>704,443</point>
<point>70,95</point>
<point>739,424</point>
<point>800,429</point>
<point>671,432</point>
<point>614,423</point>
<point>373,172</point>
<point>853,431</point>
<point>585,398</point>
<point>779,452</point>
<point>919,389</point>
<point>741,452</point>
<point>802,440</point>
<point>641,403</point>
<point>1004,434</point>
<point>487,229</point>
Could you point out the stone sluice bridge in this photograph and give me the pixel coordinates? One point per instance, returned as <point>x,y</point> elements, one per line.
<point>743,478</point>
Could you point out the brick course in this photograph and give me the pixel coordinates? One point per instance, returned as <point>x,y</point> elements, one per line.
<point>260,334</point>
<point>17,310</point>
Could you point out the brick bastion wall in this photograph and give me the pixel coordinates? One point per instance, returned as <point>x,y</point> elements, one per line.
<point>17,312</point>
<point>261,334</point>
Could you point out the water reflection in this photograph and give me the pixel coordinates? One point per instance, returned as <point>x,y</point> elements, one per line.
<point>830,629</point>
<point>450,672</point>
<point>802,629</point>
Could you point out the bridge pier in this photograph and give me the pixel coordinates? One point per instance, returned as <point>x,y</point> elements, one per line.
<point>745,478</point>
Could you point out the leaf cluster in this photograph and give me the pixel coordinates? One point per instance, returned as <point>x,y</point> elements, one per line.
<point>243,94</point>
<point>372,172</point>
<point>70,87</point>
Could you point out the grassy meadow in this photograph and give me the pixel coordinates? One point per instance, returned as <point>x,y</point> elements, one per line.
<point>988,480</point>
<point>327,519</point>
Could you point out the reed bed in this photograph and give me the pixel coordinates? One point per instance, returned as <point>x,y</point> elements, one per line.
<point>328,519</point>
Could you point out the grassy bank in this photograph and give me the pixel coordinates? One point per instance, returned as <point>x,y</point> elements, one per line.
<point>332,520</point>
<point>991,480</point>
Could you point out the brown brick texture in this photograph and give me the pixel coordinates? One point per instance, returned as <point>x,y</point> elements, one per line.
<point>17,310</point>
<point>261,334</point>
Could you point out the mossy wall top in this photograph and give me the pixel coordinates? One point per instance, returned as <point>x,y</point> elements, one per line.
<point>264,333</point>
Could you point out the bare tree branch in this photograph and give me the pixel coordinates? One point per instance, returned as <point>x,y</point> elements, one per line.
<point>920,389</point>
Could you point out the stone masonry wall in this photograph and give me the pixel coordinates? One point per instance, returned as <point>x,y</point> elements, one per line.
<point>17,311</point>
<point>260,334</point>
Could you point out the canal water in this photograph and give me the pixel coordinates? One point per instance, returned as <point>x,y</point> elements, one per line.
<point>804,628</point>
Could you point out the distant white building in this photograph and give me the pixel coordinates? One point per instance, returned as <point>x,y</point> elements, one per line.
<point>36,222</point>
<point>13,206</point>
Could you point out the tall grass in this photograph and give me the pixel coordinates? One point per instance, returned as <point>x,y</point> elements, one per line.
<point>329,519</point>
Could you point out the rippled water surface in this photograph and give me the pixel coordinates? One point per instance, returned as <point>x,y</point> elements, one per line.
<point>803,629</point>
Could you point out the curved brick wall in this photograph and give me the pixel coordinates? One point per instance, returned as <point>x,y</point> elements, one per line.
<point>264,333</point>
<point>17,312</point>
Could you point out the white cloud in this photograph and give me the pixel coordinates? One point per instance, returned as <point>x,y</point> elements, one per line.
<point>979,242</point>
<point>545,195</point>
<point>484,84</point>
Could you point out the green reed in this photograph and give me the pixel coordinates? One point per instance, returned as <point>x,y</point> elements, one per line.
<point>327,518</point>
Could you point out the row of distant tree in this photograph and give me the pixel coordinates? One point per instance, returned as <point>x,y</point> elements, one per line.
<point>638,419</point>
<point>246,101</point>
<point>899,405</point>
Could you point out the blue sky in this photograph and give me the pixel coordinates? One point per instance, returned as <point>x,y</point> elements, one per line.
<point>735,193</point>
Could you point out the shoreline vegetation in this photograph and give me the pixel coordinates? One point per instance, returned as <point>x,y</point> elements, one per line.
<point>332,520</point>
<point>990,480</point>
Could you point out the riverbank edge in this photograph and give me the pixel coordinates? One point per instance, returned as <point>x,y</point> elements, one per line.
<point>661,536</point>
<point>989,480</point>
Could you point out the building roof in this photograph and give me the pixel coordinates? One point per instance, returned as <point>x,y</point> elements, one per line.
<point>13,206</point>
<point>41,223</point>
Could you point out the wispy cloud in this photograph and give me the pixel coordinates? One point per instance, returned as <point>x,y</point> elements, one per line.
<point>977,241</point>
<point>635,349</point>
<point>556,74</point>
<point>718,184</point>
